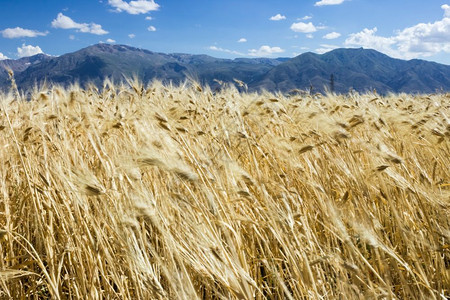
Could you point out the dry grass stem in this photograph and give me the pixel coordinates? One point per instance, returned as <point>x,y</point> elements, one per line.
<point>166,192</point>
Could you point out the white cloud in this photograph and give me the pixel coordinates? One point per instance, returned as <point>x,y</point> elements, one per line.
<point>446,9</point>
<point>148,18</point>
<point>300,47</point>
<point>328,2</point>
<point>111,41</point>
<point>331,35</point>
<point>264,51</point>
<point>310,36</point>
<point>277,17</point>
<point>64,22</point>
<point>424,39</point>
<point>242,40</point>
<point>367,38</point>
<point>325,48</point>
<point>2,57</point>
<point>420,40</point>
<point>412,42</point>
<point>94,29</point>
<point>305,18</point>
<point>214,48</point>
<point>134,7</point>
<point>151,28</point>
<point>131,35</point>
<point>72,37</point>
<point>303,27</point>
<point>28,50</point>
<point>19,32</point>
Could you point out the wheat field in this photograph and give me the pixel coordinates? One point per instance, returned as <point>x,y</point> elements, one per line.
<point>176,192</point>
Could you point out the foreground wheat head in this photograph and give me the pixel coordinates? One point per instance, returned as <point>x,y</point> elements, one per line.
<point>163,192</point>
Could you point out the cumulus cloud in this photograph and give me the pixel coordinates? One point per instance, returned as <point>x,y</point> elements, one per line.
<point>64,22</point>
<point>446,9</point>
<point>328,2</point>
<point>18,32</point>
<point>131,35</point>
<point>277,17</point>
<point>151,28</point>
<point>28,50</point>
<point>264,51</point>
<point>214,48</point>
<point>331,35</point>
<point>367,38</point>
<point>111,41</point>
<point>421,40</point>
<point>134,7</point>
<point>425,39</point>
<point>242,40</point>
<point>324,48</point>
<point>303,27</point>
<point>3,57</point>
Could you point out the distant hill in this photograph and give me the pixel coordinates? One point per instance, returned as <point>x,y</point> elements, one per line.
<point>359,69</point>
<point>18,66</point>
<point>95,63</point>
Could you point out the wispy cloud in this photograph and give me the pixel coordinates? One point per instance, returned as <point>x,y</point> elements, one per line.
<point>28,50</point>
<point>328,2</point>
<point>134,7</point>
<point>131,35</point>
<point>214,48</point>
<point>18,32</point>
<point>151,28</point>
<point>265,51</point>
<point>64,22</point>
<point>242,40</point>
<point>331,35</point>
<point>324,48</point>
<point>148,18</point>
<point>305,18</point>
<point>277,17</point>
<point>300,48</point>
<point>3,57</point>
<point>420,40</point>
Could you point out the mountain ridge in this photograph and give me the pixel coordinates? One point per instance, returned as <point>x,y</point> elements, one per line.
<point>352,68</point>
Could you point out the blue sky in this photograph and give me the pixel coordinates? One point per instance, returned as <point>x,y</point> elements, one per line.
<point>283,28</point>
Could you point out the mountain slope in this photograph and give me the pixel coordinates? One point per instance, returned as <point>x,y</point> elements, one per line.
<point>18,66</point>
<point>95,63</point>
<point>358,69</point>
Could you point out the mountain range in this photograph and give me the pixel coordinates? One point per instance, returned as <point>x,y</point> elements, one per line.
<point>357,69</point>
